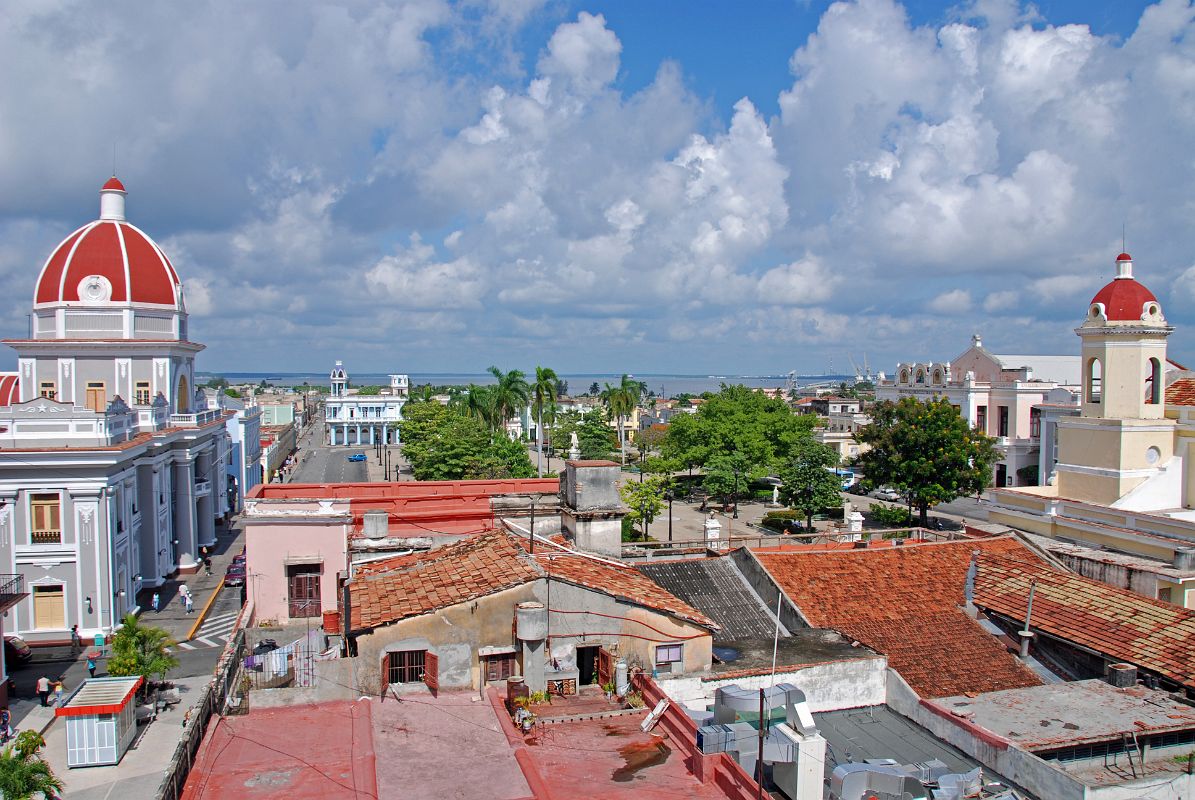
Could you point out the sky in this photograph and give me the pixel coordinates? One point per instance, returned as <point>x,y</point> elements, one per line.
<point>649,186</point>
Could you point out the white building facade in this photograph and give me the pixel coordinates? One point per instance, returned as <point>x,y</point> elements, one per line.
<point>356,419</point>
<point>112,468</point>
<point>999,394</point>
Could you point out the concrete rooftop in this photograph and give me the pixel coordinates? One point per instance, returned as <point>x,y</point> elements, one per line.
<point>872,732</point>
<point>1066,714</point>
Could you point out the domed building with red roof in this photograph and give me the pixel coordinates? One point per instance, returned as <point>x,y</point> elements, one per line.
<point>112,466</point>
<point>1123,494</point>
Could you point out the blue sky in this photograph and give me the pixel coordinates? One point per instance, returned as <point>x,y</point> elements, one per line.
<point>696,187</point>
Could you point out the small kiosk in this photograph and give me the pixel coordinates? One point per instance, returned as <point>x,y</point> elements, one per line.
<point>101,721</point>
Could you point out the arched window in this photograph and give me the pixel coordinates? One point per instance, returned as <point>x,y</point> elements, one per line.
<point>921,376</point>
<point>1153,388</point>
<point>1095,376</point>
<point>182,400</point>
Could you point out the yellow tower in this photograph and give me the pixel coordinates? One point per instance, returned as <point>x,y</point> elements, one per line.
<point>1122,438</point>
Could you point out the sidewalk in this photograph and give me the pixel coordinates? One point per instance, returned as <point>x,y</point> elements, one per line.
<point>171,615</point>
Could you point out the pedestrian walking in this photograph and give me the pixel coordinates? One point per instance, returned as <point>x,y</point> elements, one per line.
<point>76,642</point>
<point>91,666</point>
<point>58,693</point>
<point>189,603</point>
<point>207,565</point>
<point>156,602</point>
<point>43,690</point>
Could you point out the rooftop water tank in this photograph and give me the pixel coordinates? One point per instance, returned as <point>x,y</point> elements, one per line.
<point>532,621</point>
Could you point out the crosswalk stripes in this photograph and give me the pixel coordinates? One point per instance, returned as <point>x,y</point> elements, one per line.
<point>214,632</point>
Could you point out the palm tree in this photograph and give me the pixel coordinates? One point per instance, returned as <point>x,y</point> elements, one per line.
<point>511,393</point>
<point>477,402</point>
<point>544,394</point>
<point>620,401</point>
<point>25,776</point>
<point>141,650</point>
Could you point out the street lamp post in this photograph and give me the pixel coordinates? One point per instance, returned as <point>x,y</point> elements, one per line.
<point>736,494</point>
<point>671,496</point>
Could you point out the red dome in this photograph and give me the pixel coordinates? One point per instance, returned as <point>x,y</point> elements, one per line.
<point>135,268</point>
<point>1121,257</point>
<point>1124,299</point>
<point>113,183</point>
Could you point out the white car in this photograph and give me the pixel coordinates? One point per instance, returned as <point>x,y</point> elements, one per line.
<point>887,493</point>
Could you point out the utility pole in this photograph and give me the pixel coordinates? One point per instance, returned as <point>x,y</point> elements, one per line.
<point>759,756</point>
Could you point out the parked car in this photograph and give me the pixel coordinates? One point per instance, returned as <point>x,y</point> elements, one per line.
<point>235,576</point>
<point>887,493</point>
<point>357,457</point>
<point>857,488</point>
<point>16,651</point>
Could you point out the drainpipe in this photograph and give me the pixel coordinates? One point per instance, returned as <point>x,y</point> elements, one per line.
<point>1025,633</point>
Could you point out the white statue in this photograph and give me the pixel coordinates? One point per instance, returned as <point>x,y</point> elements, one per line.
<point>574,447</point>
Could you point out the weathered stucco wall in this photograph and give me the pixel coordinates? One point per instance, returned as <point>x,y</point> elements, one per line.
<point>828,686</point>
<point>578,616</point>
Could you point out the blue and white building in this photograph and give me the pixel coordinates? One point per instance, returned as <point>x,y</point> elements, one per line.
<point>355,419</point>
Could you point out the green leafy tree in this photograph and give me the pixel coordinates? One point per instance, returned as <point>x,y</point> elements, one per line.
<point>233,393</point>
<point>141,650</point>
<point>544,395</point>
<point>421,420</point>
<point>926,450</point>
<point>808,484</point>
<point>448,445</point>
<point>561,388</point>
<point>727,475</point>
<point>423,393</point>
<point>218,382</point>
<point>369,391</point>
<point>594,437</point>
<point>737,421</point>
<point>594,389</point>
<point>24,775</point>
<point>644,500</point>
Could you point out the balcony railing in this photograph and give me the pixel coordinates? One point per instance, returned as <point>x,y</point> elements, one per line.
<point>203,488</point>
<point>196,419</point>
<point>45,537</point>
<point>12,589</point>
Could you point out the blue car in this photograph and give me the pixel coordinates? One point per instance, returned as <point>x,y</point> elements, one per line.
<point>357,457</point>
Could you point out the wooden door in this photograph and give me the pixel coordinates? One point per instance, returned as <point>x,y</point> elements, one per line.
<point>499,667</point>
<point>97,397</point>
<point>49,610</point>
<point>304,595</point>
<point>605,667</point>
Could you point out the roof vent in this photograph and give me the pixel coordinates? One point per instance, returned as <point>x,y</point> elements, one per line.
<point>376,524</point>
<point>861,544</point>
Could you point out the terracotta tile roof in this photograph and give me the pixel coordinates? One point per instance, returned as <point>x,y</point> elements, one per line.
<point>623,582</point>
<point>905,602</point>
<point>1120,624</point>
<point>391,589</point>
<point>1181,392</point>
<point>396,588</point>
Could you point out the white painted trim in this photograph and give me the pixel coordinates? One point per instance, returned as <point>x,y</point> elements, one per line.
<point>124,257</point>
<point>1070,422</point>
<point>66,265</point>
<point>1104,472</point>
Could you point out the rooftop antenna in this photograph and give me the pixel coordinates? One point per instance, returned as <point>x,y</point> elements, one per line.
<point>1122,245</point>
<point>114,159</point>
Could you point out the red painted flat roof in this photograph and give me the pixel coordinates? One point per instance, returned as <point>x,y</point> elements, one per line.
<point>322,751</point>
<point>397,490</point>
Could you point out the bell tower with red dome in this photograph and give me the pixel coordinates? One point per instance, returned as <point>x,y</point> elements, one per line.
<point>109,320</point>
<point>1122,436</point>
